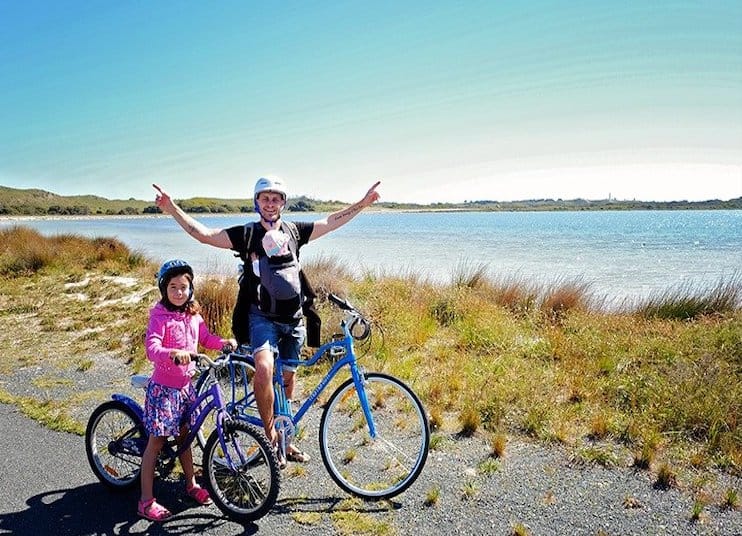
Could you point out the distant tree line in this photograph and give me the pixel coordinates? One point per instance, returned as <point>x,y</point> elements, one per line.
<point>56,206</point>
<point>195,207</point>
<point>74,210</point>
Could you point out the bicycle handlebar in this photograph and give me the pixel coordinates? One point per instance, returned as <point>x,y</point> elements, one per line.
<point>360,327</point>
<point>203,358</point>
<point>343,304</point>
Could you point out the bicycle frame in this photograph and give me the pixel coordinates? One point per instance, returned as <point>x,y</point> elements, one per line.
<point>282,407</point>
<point>348,360</point>
<point>210,400</point>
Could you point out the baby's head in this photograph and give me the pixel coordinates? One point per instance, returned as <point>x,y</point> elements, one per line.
<point>276,243</point>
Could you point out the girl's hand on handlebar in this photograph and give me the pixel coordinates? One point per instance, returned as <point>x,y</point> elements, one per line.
<point>228,345</point>
<point>180,357</point>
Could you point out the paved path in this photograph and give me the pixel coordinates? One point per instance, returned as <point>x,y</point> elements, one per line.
<point>47,488</point>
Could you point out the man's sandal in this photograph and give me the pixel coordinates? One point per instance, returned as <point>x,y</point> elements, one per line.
<point>153,510</point>
<point>297,456</point>
<point>199,494</point>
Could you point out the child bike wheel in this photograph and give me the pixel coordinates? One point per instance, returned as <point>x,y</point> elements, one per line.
<point>380,467</point>
<point>250,490</point>
<point>114,442</point>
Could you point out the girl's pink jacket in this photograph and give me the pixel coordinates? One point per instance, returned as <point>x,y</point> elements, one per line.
<point>174,330</point>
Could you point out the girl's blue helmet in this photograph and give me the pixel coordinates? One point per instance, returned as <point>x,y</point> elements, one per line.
<point>169,270</point>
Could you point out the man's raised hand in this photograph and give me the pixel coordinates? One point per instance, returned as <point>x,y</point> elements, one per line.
<point>372,195</point>
<point>162,200</point>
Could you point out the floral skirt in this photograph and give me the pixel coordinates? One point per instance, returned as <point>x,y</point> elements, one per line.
<point>165,408</point>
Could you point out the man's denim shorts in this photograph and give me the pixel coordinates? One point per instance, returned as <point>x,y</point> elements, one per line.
<point>286,339</point>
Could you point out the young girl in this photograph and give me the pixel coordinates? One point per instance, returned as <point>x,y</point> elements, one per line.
<point>175,330</point>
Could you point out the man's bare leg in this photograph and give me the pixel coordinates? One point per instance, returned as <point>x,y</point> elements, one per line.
<point>263,387</point>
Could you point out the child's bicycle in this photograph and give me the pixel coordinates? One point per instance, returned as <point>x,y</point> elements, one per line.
<point>373,434</point>
<point>240,469</point>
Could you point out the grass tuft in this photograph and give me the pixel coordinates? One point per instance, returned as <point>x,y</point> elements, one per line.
<point>437,441</point>
<point>697,510</point>
<point>432,496</point>
<point>666,477</point>
<point>689,301</point>
<point>731,499</point>
<point>307,518</point>
<point>644,457</point>
<point>519,529</point>
<point>499,442</point>
<point>470,489</point>
<point>488,466</point>
<point>470,275</point>
<point>350,523</point>
<point>563,299</point>
<point>217,298</point>
<point>470,420</point>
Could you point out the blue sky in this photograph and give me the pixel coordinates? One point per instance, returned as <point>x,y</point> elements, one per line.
<point>441,100</point>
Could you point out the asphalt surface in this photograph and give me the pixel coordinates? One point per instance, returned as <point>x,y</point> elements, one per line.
<point>47,488</point>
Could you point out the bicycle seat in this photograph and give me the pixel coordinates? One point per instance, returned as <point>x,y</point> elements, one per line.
<point>140,380</point>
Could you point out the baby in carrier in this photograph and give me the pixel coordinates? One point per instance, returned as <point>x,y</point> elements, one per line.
<point>279,292</point>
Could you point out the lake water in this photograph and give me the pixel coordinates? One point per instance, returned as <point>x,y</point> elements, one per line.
<point>620,254</point>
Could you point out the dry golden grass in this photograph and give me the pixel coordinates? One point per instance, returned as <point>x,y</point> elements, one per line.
<point>217,298</point>
<point>485,356</point>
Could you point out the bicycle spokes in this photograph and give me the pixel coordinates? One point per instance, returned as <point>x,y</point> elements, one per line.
<point>242,473</point>
<point>381,466</point>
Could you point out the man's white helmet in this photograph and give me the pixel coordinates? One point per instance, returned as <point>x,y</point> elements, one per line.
<point>270,184</point>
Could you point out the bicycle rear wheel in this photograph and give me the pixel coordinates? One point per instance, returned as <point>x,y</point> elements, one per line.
<point>234,381</point>
<point>114,442</point>
<point>380,467</point>
<point>250,490</point>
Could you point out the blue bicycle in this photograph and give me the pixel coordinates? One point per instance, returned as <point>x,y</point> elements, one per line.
<point>240,469</point>
<point>374,433</point>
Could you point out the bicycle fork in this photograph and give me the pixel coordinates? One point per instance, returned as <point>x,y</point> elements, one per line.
<point>359,379</point>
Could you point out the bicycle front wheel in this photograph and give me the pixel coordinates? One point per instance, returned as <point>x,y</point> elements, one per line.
<point>114,442</point>
<point>249,490</point>
<point>383,466</point>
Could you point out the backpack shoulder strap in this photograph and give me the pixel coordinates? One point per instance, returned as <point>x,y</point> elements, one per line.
<point>249,228</point>
<point>293,232</point>
<point>247,236</point>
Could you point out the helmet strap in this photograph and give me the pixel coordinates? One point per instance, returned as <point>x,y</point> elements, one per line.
<point>271,224</point>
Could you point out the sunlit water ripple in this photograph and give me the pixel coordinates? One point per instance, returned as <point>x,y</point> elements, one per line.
<point>621,255</point>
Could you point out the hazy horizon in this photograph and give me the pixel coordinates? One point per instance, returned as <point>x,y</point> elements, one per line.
<point>534,199</point>
<point>443,101</point>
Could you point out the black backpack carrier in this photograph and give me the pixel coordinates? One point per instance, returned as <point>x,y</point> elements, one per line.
<point>276,293</point>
